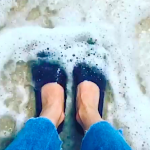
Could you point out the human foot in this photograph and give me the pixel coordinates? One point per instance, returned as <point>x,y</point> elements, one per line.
<point>53,103</point>
<point>50,89</point>
<point>88,94</point>
<point>90,84</point>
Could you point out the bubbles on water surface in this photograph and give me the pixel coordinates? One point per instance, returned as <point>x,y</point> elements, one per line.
<point>109,43</point>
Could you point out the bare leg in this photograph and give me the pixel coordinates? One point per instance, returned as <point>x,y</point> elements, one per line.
<point>87,104</point>
<point>101,136</point>
<point>53,103</point>
<point>40,133</point>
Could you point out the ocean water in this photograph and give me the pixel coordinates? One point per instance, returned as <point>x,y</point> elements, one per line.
<point>114,35</point>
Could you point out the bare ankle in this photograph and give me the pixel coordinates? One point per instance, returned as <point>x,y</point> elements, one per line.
<point>50,113</point>
<point>53,103</point>
<point>87,104</point>
<point>86,117</point>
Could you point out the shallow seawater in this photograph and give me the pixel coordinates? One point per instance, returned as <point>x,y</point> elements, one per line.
<point>119,35</point>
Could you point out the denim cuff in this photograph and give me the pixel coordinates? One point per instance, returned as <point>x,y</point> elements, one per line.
<point>102,136</point>
<point>38,133</point>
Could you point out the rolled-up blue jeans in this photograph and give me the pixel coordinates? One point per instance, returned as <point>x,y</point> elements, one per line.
<point>41,134</point>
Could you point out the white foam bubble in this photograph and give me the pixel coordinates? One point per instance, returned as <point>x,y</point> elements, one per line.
<point>117,51</point>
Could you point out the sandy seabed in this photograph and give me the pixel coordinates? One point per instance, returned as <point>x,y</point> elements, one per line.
<point>121,29</point>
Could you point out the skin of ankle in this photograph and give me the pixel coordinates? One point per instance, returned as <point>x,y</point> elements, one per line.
<point>87,104</point>
<point>53,103</point>
<point>87,117</point>
<point>50,113</point>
